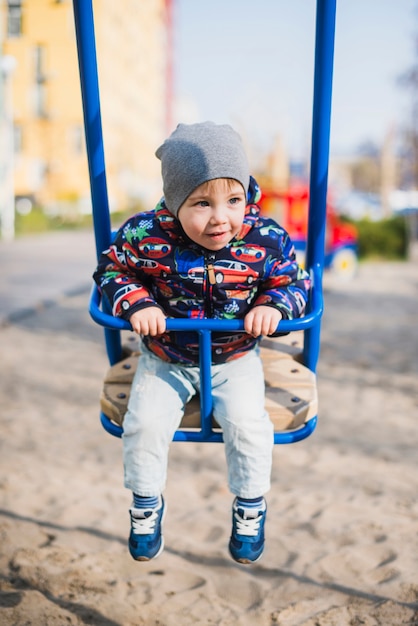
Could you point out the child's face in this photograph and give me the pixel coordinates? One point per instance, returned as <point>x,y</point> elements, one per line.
<point>213,213</point>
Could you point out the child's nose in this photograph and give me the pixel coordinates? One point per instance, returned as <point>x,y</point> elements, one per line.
<point>219,213</point>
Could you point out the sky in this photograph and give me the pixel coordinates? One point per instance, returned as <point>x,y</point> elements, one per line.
<point>250,64</point>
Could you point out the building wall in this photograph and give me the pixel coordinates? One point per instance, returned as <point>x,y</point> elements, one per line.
<point>50,157</point>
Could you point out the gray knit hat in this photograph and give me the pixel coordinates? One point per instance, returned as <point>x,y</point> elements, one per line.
<point>196,153</point>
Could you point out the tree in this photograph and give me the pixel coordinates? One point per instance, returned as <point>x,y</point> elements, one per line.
<point>409,139</point>
<point>365,169</point>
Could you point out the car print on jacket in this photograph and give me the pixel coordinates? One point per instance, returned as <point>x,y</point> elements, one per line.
<point>225,271</point>
<point>182,304</point>
<point>223,344</point>
<point>248,254</point>
<point>154,248</point>
<point>150,266</point>
<point>272,230</point>
<point>240,294</point>
<point>165,349</point>
<point>126,296</point>
<point>233,272</point>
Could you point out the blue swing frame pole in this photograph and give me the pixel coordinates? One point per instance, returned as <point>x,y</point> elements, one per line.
<point>321,127</point>
<point>84,23</point>
<point>87,61</point>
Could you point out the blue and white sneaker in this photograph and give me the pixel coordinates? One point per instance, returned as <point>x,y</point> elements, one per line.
<point>247,539</point>
<point>146,540</point>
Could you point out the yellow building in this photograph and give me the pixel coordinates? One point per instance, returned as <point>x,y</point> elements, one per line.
<point>132,41</point>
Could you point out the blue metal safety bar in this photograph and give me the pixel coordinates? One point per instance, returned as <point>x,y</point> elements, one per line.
<point>310,324</point>
<point>321,125</point>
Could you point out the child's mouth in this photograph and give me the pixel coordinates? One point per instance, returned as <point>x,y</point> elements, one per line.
<point>217,235</point>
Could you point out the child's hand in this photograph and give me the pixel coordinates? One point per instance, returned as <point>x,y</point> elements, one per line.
<point>149,321</point>
<point>262,320</point>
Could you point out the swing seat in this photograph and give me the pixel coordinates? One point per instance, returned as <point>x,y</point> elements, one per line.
<point>291,395</point>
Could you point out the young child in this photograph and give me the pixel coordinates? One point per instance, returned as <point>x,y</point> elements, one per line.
<point>203,252</point>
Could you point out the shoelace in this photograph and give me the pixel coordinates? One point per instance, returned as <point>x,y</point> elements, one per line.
<point>248,523</point>
<point>143,523</point>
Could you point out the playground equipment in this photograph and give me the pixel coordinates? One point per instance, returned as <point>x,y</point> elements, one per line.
<point>291,208</point>
<point>291,364</point>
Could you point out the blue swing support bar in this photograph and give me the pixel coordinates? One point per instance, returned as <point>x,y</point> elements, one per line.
<point>311,322</point>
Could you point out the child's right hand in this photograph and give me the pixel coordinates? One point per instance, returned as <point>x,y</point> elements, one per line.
<point>148,321</point>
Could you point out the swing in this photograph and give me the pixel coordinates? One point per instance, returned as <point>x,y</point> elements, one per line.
<point>289,361</point>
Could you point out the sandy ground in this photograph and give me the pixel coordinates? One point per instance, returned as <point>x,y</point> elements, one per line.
<point>342,535</point>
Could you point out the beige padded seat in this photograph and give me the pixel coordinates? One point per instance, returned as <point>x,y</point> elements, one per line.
<point>291,395</point>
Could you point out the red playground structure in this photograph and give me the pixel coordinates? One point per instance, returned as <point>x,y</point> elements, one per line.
<point>290,208</point>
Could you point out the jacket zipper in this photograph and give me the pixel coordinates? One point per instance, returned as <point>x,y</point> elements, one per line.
<point>210,279</point>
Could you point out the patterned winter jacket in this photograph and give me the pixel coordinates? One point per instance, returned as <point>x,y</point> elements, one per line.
<point>152,262</point>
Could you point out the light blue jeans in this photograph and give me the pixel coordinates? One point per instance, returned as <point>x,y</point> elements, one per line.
<point>159,393</point>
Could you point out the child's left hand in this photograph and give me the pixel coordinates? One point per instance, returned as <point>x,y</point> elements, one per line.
<point>262,320</point>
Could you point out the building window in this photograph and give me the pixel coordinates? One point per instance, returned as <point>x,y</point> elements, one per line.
<point>14,18</point>
<point>40,100</point>
<point>77,140</point>
<point>17,139</point>
<point>40,81</point>
<point>40,54</point>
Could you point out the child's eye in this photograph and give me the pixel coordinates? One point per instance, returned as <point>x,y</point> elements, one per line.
<point>202,203</point>
<point>234,200</point>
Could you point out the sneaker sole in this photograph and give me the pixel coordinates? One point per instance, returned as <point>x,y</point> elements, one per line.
<point>147,558</point>
<point>245,561</point>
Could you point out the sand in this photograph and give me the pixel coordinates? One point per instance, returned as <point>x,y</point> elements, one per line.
<point>342,532</point>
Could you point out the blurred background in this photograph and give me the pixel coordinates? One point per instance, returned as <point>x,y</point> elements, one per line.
<point>249,64</point>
